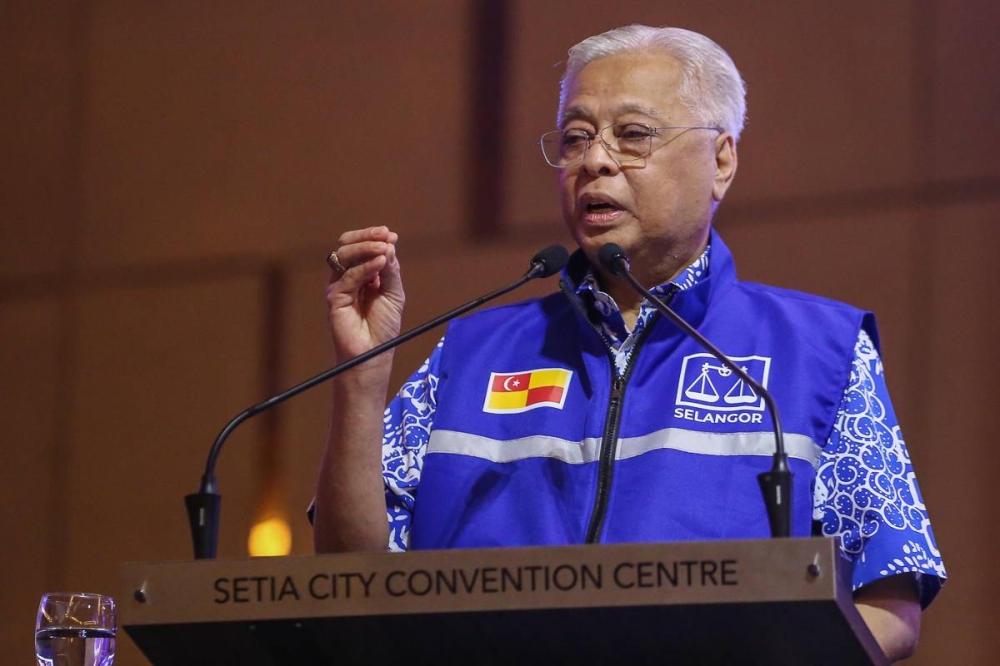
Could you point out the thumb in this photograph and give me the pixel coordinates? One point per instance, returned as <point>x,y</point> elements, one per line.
<point>389,276</point>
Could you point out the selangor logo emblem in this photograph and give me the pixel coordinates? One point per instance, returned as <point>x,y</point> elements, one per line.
<point>707,384</point>
<point>514,392</point>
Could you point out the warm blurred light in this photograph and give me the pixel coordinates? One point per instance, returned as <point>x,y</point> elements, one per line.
<point>270,537</point>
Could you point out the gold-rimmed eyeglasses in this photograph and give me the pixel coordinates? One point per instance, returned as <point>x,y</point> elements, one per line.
<point>625,142</point>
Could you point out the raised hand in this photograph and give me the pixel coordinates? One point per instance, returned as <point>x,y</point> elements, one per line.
<point>365,300</point>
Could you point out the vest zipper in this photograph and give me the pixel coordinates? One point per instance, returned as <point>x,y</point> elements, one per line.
<point>609,447</point>
<point>612,423</point>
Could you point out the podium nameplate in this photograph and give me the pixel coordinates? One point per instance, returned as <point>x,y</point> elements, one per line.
<point>760,601</point>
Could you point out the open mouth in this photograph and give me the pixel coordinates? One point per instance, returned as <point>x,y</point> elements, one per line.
<point>599,207</point>
<point>601,212</point>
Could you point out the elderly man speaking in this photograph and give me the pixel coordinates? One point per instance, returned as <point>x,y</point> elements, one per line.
<point>583,417</point>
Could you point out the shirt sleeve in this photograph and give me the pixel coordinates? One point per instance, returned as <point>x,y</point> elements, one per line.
<point>406,428</point>
<point>866,491</point>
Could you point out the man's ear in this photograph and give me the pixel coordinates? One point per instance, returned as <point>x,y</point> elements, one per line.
<point>725,165</point>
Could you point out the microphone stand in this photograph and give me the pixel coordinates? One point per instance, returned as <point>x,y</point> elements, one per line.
<point>203,507</point>
<point>775,484</point>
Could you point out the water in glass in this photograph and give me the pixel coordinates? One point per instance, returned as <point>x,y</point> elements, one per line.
<point>75,629</point>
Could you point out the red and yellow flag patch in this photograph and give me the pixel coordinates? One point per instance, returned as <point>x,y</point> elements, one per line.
<point>512,392</point>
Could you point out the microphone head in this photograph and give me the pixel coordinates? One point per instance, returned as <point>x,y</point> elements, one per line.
<point>613,259</point>
<point>551,260</point>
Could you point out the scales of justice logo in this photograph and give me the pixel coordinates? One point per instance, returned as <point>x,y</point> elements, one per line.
<point>707,384</point>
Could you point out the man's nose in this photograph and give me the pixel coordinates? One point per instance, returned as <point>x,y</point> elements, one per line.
<point>599,161</point>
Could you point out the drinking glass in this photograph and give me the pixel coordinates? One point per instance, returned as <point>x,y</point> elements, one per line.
<point>75,629</point>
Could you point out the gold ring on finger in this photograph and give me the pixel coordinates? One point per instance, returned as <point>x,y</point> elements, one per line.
<point>334,263</point>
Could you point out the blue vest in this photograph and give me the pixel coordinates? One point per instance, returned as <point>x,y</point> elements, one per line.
<point>670,451</point>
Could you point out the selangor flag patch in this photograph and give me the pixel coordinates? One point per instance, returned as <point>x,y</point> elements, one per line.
<point>513,392</point>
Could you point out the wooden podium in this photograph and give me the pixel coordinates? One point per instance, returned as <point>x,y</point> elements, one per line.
<point>780,601</point>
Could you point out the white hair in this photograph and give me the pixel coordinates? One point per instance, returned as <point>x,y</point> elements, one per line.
<point>711,87</point>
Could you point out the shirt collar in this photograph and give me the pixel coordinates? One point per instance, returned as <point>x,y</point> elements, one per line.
<point>696,271</point>
<point>608,315</point>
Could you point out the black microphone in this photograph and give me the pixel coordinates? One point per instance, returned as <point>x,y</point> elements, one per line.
<point>776,484</point>
<point>203,506</point>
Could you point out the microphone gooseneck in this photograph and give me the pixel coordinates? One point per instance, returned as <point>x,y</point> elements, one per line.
<point>203,507</point>
<point>775,484</point>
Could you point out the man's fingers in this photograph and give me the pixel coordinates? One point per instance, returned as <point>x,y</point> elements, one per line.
<point>369,234</point>
<point>358,276</point>
<point>359,253</point>
<point>369,259</point>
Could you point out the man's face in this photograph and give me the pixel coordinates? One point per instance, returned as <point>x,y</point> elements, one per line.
<point>659,208</point>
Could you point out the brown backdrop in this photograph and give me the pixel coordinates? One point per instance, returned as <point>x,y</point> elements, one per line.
<point>174,173</point>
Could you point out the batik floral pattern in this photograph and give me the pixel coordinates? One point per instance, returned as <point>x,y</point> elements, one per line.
<point>866,491</point>
<point>406,430</point>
